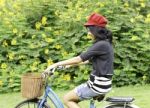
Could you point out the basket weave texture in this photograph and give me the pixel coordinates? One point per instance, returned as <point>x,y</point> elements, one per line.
<point>32,85</point>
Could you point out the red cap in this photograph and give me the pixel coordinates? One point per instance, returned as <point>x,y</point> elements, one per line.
<point>97,20</point>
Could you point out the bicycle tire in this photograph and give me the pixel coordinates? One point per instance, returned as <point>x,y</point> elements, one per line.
<point>118,106</point>
<point>31,103</point>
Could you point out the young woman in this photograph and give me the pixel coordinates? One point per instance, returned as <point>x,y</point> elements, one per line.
<point>101,56</point>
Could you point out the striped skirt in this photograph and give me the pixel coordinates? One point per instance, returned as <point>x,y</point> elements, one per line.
<point>100,85</point>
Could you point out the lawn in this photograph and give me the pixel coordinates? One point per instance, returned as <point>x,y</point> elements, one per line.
<point>140,93</point>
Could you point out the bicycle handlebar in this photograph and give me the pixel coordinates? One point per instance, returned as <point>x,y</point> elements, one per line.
<point>51,71</point>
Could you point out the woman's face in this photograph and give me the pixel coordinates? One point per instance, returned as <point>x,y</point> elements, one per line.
<point>91,35</point>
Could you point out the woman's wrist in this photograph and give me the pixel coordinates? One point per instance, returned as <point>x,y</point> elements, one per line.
<point>57,64</point>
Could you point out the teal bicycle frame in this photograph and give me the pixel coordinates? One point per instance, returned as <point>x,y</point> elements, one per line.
<point>49,93</point>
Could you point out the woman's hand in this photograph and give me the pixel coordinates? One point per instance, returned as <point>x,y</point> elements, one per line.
<point>68,66</point>
<point>46,71</point>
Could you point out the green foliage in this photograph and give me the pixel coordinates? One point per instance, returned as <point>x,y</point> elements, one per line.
<point>35,34</point>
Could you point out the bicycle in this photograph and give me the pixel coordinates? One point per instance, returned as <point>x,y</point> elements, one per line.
<point>113,102</point>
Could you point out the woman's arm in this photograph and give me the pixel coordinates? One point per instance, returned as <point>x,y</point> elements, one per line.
<point>82,63</point>
<point>85,62</point>
<point>72,61</point>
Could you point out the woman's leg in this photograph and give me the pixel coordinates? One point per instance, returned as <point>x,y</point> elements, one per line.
<point>71,100</point>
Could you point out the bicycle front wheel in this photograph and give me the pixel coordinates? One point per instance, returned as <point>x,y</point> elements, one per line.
<point>32,103</point>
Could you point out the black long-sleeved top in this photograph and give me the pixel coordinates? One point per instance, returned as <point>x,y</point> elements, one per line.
<point>101,55</point>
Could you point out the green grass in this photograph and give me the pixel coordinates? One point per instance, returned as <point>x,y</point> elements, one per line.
<point>140,93</point>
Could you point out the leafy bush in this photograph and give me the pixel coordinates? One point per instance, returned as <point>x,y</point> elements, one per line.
<point>35,34</point>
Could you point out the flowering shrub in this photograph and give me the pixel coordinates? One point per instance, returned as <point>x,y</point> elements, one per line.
<point>35,34</point>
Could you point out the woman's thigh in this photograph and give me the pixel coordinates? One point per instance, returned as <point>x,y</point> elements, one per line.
<point>81,92</point>
<point>84,92</point>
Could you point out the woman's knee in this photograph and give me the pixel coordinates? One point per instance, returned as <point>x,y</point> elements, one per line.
<point>65,99</point>
<point>70,96</point>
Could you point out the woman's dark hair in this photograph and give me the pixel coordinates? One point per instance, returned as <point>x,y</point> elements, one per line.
<point>101,33</point>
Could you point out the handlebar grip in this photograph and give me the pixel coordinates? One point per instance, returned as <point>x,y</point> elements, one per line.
<point>51,71</point>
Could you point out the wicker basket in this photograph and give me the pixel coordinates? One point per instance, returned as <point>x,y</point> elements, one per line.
<point>32,85</point>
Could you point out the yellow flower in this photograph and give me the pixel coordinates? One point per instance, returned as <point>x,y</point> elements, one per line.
<point>141,0</point>
<point>11,13</point>
<point>5,10</point>
<point>15,30</point>
<point>7,22</point>
<point>16,6</point>
<point>38,25</point>
<point>3,65</point>
<point>33,68</point>
<point>134,38</point>
<point>49,62</point>
<point>1,83</point>
<point>43,35</point>
<point>67,77</point>
<point>22,57</point>
<point>49,40</point>
<point>56,32</point>
<point>11,56</point>
<point>32,46</point>
<point>2,3</point>
<point>115,1</point>
<point>126,4</point>
<point>87,17</point>
<point>35,63</point>
<point>5,43</point>
<point>147,20</point>
<point>58,46</point>
<point>13,42</point>
<point>139,17</point>
<point>44,20</point>
<point>142,5</point>
<point>64,53</point>
<point>46,51</point>
<point>132,20</point>
<point>10,80</point>
<point>101,5</point>
<point>78,17</point>
<point>96,10</point>
<point>138,9</point>
<point>148,15</point>
<point>33,36</point>
<point>57,12</point>
<point>20,34</point>
<point>144,77</point>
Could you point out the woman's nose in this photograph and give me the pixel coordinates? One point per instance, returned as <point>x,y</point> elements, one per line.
<point>89,33</point>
